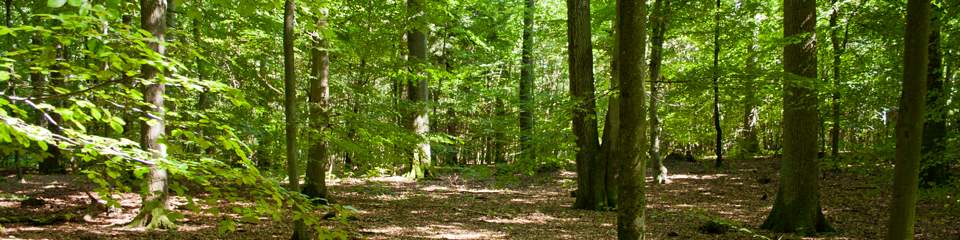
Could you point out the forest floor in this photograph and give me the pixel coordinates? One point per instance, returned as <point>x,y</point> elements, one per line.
<point>473,204</point>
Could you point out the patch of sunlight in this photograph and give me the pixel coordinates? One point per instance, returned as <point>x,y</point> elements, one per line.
<point>456,232</point>
<point>698,177</point>
<point>386,230</point>
<point>485,190</point>
<point>387,197</point>
<point>521,200</point>
<point>536,217</point>
<point>393,179</point>
<point>432,188</point>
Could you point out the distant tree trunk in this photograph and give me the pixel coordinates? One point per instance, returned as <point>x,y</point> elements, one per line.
<point>611,133</point>
<point>835,98</point>
<point>418,90</point>
<point>749,145</point>
<point>590,171</point>
<point>316,186</point>
<point>935,170</point>
<point>153,212</point>
<point>290,108</point>
<point>526,83</point>
<point>631,27</point>
<point>661,11</point>
<point>903,205</point>
<point>797,207</point>
<point>52,164</point>
<point>718,147</point>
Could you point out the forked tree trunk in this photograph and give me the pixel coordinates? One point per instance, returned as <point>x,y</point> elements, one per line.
<point>903,204</point>
<point>153,212</point>
<point>797,207</point>
<point>590,170</point>
<point>632,37</point>
<point>611,130</point>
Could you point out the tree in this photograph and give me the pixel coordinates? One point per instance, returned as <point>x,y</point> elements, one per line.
<point>797,207</point>
<point>661,10</point>
<point>290,107</point>
<point>590,173</point>
<point>418,90</point>
<point>718,142</point>
<point>910,121</point>
<point>526,83</point>
<point>611,128</point>
<point>631,23</point>
<point>749,145</point>
<point>935,169</point>
<point>153,212</point>
<point>316,186</point>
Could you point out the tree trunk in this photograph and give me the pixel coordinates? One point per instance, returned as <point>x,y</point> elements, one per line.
<point>418,90</point>
<point>718,147</point>
<point>835,98</point>
<point>290,108</point>
<point>608,147</point>
<point>903,205</point>
<point>749,145</point>
<point>935,169</point>
<point>797,207</point>
<point>590,171</point>
<point>526,84</point>
<point>661,10</point>
<point>153,212</point>
<point>631,24</point>
<point>316,186</point>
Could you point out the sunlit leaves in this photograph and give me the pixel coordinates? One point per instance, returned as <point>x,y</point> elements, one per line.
<point>56,3</point>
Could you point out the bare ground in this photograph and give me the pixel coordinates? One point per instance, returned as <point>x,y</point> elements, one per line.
<point>457,207</point>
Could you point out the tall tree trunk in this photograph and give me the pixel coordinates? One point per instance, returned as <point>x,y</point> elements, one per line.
<point>290,108</point>
<point>418,90</point>
<point>749,145</point>
<point>718,147</point>
<point>611,129</point>
<point>590,170</point>
<point>797,208</point>
<point>835,98</point>
<point>53,163</point>
<point>153,212</point>
<point>903,204</point>
<point>316,186</point>
<point>935,169</point>
<point>526,83</point>
<point>632,38</point>
<point>661,11</point>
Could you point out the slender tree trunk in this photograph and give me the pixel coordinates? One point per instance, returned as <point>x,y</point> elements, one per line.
<point>797,207</point>
<point>903,205</point>
<point>153,212</point>
<point>718,147</point>
<point>660,14</point>
<point>527,84</point>
<point>419,91</point>
<point>632,38</point>
<point>590,171</point>
<point>934,168</point>
<point>835,98</point>
<point>290,108</point>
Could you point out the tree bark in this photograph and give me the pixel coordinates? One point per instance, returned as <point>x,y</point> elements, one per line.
<point>290,108</point>
<point>749,145</point>
<point>934,168</point>
<point>418,90</point>
<point>590,171</point>
<point>718,147</point>
<point>611,132</point>
<point>153,212</point>
<point>835,98</point>
<point>661,11</point>
<point>632,38</point>
<point>527,84</point>
<point>909,130</point>
<point>797,207</point>
<point>316,186</point>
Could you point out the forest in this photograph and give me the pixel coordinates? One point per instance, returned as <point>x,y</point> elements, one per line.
<point>480,119</point>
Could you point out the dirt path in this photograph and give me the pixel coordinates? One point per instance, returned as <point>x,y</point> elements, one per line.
<point>457,207</point>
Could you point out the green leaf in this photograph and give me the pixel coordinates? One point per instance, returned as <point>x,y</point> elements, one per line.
<point>75,3</point>
<point>56,3</point>
<point>4,76</point>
